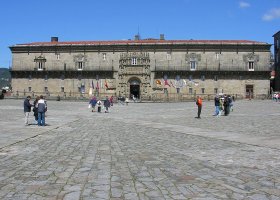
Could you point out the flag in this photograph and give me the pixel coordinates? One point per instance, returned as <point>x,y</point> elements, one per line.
<point>166,83</point>
<point>158,82</point>
<point>90,91</point>
<point>106,84</point>
<point>172,84</point>
<point>184,83</point>
<point>97,86</point>
<point>101,84</point>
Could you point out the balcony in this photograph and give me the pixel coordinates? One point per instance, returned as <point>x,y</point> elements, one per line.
<point>61,69</point>
<point>187,68</point>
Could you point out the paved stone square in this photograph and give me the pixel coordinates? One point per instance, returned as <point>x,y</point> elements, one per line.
<point>141,151</point>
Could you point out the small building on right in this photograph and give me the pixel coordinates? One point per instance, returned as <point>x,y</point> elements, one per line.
<point>276,71</point>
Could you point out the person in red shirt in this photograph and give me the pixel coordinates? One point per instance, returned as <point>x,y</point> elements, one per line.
<point>199,106</point>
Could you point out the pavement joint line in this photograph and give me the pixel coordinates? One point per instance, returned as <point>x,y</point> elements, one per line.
<point>170,128</point>
<point>34,136</point>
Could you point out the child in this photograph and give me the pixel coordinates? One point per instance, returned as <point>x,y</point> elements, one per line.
<point>99,105</point>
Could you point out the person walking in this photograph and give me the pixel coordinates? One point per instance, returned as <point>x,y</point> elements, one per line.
<point>226,105</point>
<point>199,106</point>
<point>92,103</point>
<point>111,100</point>
<point>41,111</point>
<point>107,104</point>
<point>27,109</point>
<point>99,105</point>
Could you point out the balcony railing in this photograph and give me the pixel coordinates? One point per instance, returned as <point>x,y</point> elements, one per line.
<point>210,68</point>
<point>61,68</point>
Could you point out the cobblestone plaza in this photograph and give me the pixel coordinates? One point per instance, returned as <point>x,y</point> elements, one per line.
<point>141,151</point>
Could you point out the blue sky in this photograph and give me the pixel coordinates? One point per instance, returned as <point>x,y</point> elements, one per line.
<point>24,21</point>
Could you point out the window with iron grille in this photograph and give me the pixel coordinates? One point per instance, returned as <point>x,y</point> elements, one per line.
<point>134,61</point>
<point>104,56</point>
<point>193,65</point>
<point>251,66</point>
<point>80,65</point>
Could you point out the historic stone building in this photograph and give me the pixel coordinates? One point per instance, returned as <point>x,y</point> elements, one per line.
<point>150,69</point>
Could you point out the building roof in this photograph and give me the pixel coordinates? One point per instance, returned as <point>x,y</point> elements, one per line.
<point>276,34</point>
<point>143,42</point>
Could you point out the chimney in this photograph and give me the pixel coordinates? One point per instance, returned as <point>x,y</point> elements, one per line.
<point>161,37</point>
<point>136,37</point>
<point>54,39</point>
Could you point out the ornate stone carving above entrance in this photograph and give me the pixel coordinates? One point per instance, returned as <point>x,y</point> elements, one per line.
<point>134,66</point>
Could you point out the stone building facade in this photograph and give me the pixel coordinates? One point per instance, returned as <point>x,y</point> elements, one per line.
<point>149,69</point>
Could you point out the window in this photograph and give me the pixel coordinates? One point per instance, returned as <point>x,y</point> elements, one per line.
<point>46,77</point>
<point>30,77</point>
<point>40,62</point>
<point>168,55</point>
<point>203,78</point>
<point>193,65</point>
<point>251,66</point>
<point>215,78</point>
<point>190,90</point>
<point>40,65</point>
<point>134,61</point>
<point>217,56</point>
<point>104,56</point>
<point>29,89</point>
<point>62,77</point>
<point>62,89</point>
<point>215,90</point>
<point>57,56</point>
<point>202,90</point>
<point>46,89</point>
<point>80,65</point>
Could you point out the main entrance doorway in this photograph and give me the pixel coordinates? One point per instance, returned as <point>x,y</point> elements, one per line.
<point>134,88</point>
<point>249,91</point>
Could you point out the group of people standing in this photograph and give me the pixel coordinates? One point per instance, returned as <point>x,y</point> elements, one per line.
<point>223,103</point>
<point>39,109</point>
<point>107,103</point>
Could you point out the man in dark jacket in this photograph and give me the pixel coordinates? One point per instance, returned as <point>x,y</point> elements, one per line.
<point>27,108</point>
<point>107,104</point>
<point>226,105</point>
<point>217,105</point>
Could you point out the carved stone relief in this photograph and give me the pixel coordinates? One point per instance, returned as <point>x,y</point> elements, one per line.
<point>251,57</point>
<point>139,69</point>
<point>193,57</point>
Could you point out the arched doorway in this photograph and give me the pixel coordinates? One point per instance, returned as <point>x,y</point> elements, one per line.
<point>134,88</point>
